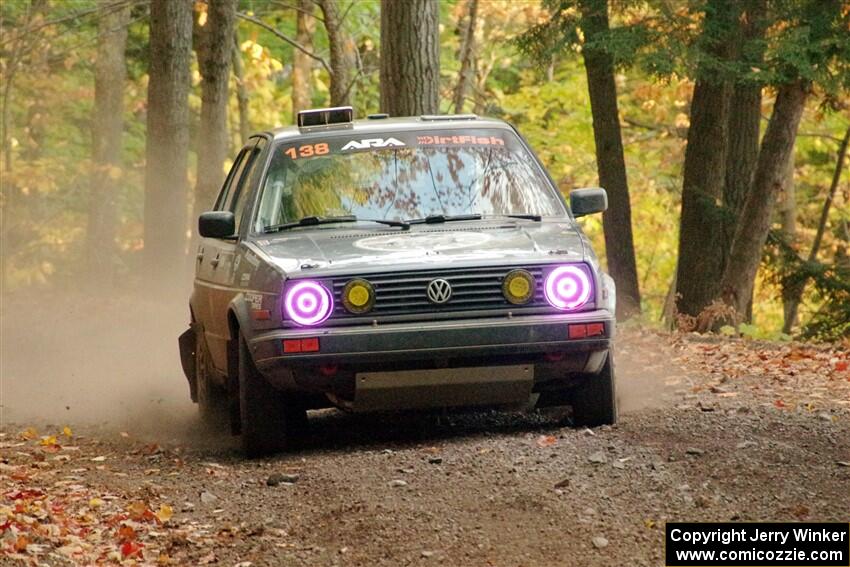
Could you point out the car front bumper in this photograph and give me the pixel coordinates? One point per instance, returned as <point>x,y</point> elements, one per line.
<point>434,340</point>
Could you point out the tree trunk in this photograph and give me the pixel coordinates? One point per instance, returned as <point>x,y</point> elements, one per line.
<point>301,63</point>
<point>410,57</point>
<point>9,192</point>
<point>700,262</point>
<point>467,57</point>
<point>610,164</point>
<point>241,92</point>
<point>744,125</point>
<point>107,127</point>
<point>754,222</point>
<point>167,140</point>
<point>342,54</point>
<point>214,58</point>
<point>792,303</point>
<point>744,113</point>
<point>788,219</point>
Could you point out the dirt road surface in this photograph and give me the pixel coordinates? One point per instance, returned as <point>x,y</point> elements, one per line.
<point>712,430</point>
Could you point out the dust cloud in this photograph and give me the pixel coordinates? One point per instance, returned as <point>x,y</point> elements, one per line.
<point>76,358</point>
<point>647,370</point>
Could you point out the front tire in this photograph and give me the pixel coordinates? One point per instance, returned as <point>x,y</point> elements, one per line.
<point>595,399</point>
<point>270,422</point>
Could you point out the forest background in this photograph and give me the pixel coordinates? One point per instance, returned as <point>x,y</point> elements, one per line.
<point>119,119</point>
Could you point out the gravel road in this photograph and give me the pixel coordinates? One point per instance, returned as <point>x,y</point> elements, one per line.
<point>707,435</point>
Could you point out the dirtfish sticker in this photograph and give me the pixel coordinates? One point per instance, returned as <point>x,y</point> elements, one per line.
<point>372,143</point>
<point>459,141</point>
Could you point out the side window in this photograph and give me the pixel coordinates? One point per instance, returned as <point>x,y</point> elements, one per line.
<point>235,170</point>
<point>246,182</point>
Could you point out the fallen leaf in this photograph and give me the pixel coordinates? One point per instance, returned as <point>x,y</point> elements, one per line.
<point>546,440</point>
<point>131,549</point>
<point>164,513</point>
<point>67,431</point>
<point>139,511</point>
<point>21,543</point>
<point>29,433</point>
<point>125,533</point>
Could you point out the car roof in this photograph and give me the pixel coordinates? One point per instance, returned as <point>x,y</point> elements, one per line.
<point>396,124</point>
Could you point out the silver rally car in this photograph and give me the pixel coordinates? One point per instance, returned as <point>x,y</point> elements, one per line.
<point>390,264</point>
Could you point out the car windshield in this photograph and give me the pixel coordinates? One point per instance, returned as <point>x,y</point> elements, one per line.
<point>404,176</point>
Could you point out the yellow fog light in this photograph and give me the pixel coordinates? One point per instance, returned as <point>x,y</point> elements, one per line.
<point>358,296</point>
<point>518,287</point>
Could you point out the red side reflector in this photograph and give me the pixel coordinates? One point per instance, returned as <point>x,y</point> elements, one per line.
<point>292,346</point>
<point>261,314</point>
<point>595,329</point>
<point>578,331</point>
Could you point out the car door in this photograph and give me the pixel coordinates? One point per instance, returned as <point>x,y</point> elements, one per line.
<point>225,262</point>
<point>208,255</point>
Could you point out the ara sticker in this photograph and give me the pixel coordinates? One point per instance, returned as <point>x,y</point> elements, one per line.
<point>460,141</point>
<point>372,143</point>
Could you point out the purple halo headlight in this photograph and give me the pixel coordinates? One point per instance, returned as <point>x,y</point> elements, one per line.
<point>308,303</point>
<point>567,287</point>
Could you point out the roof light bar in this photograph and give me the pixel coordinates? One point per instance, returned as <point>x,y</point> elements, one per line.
<point>454,117</point>
<point>325,116</point>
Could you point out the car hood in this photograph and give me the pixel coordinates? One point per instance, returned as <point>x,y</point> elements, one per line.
<point>346,251</point>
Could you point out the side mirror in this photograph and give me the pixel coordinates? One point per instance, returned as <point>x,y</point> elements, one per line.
<point>588,201</point>
<point>217,224</point>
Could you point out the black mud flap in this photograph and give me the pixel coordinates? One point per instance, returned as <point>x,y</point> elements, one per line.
<point>187,359</point>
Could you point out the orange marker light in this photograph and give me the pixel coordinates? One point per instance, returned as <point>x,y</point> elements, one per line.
<point>595,329</point>
<point>578,331</point>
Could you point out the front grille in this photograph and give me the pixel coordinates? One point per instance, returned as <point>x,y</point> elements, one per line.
<point>473,289</point>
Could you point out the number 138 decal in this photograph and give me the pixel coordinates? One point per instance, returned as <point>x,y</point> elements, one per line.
<point>307,150</point>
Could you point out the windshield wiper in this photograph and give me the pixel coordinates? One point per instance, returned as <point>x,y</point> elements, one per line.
<point>315,221</point>
<point>437,219</point>
<point>533,217</point>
